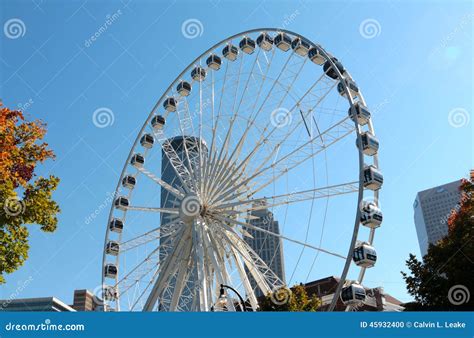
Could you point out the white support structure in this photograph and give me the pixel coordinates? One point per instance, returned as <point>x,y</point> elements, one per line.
<point>200,217</point>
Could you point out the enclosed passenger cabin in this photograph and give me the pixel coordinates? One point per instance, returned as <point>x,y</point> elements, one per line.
<point>282,41</point>
<point>316,56</point>
<point>370,144</point>
<point>230,52</point>
<point>137,160</point>
<point>373,178</point>
<point>361,113</point>
<point>158,122</point>
<point>147,141</point>
<point>110,270</point>
<point>300,46</point>
<point>330,71</point>
<point>112,248</point>
<point>371,216</point>
<point>351,85</point>
<point>364,255</point>
<point>129,182</point>
<point>265,41</point>
<point>170,104</point>
<point>247,45</point>
<point>353,294</point>
<point>198,73</point>
<point>116,225</point>
<point>214,62</point>
<point>110,293</point>
<point>121,203</point>
<point>183,88</point>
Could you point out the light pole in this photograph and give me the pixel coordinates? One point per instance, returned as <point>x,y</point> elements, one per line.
<point>223,297</point>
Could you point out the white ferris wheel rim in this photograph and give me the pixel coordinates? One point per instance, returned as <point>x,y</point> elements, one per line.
<point>349,98</point>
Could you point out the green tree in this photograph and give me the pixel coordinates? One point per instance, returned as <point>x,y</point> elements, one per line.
<point>295,299</point>
<point>24,198</point>
<point>444,278</point>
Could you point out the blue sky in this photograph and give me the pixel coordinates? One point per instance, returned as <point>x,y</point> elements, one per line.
<point>415,73</point>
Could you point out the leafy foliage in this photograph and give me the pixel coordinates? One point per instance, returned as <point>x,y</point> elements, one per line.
<point>295,301</point>
<point>447,264</point>
<point>24,200</point>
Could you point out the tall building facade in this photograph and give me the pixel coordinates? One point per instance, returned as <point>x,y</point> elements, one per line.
<point>194,147</point>
<point>432,208</point>
<point>268,247</point>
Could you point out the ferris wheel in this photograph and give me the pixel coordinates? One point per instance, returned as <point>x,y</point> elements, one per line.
<point>255,169</point>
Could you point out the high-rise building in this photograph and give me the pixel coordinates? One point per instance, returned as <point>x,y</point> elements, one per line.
<point>267,246</point>
<point>191,160</point>
<point>84,300</point>
<point>432,208</point>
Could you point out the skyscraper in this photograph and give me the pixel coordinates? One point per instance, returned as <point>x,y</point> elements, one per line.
<point>432,208</point>
<point>267,246</point>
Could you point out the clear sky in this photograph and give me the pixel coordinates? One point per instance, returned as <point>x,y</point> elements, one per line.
<point>415,71</point>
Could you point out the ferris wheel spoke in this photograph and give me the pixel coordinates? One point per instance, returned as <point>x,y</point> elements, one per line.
<point>213,254</point>
<point>139,272</point>
<point>172,211</point>
<point>168,269</point>
<point>229,130</point>
<point>187,128</point>
<point>263,275</point>
<point>148,285</point>
<point>263,72</point>
<point>202,279</point>
<point>236,109</point>
<point>252,227</point>
<point>179,167</point>
<point>162,231</point>
<point>150,262</point>
<point>294,197</point>
<point>234,88</point>
<point>234,176</point>
<point>176,192</point>
<point>293,159</point>
<point>244,279</point>
<point>183,270</point>
<point>287,87</point>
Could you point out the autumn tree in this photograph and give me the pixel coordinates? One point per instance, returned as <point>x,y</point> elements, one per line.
<point>25,199</point>
<point>295,299</point>
<point>444,279</point>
